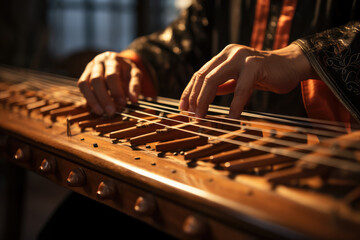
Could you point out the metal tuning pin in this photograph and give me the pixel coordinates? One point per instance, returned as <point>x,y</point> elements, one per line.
<point>22,154</point>
<point>76,178</point>
<point>194,226</point>
<point>106,190</point>
<point>48,166</point>
<point>145,205</point>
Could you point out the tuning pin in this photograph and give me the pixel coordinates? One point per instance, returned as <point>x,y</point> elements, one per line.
<point>76,178</point>
<point>106,190</point>
<point>194,226</point>
<point>145,205</point>
<point>48,166</point>
<point>22,154</point>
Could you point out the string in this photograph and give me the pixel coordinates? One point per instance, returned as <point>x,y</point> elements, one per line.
<point>343,153</point>
<point>298,129</point>
<point>272,117</point>
<point>332,128</point>
<point>275,117</point>
<point>323,160</point>
<point>297,155</point>
<point>285,143</point>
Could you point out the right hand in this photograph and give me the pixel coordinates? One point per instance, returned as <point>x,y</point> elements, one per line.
<point>108,80</point>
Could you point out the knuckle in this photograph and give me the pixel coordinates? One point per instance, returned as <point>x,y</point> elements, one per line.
<point>109,54</point>
<point>207,80</point>
<point>239,52</point>
<point>99,58</point>
<point>199,76</point>
<point>210,81</point>
<point>90,64</point>
<point>112,78</point>
<point>81,84</point>
<point>230,46</point>
<point>94,81</point>
<point>252,61</point>
<point>135,72</point>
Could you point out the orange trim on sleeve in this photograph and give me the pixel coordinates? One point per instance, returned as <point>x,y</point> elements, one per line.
<point>321,103</point>
<point>283,28</point>
<point>260,21</point>
<point>147,86</point>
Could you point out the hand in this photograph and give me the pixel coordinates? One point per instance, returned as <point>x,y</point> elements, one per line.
<point>240,69</point>
<point>108,80</point>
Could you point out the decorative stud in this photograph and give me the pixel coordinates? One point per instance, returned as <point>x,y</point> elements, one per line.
<point>145,205</point>
<point>76,178</point>
<point>22,154</point>
<point>194,226</point>
<point>48,166</point>
<point>106,190</point>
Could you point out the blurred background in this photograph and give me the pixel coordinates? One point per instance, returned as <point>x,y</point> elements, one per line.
<point>62,36</point>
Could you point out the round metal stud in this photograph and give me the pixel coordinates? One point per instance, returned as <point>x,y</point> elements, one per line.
<point>22,154</point>
<point>145,205</point>
<point>194,226</point>
<point>76,178</point>
<point>106,190</point>
<point>48,166</point>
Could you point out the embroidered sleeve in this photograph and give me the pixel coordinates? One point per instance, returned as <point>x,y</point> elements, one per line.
<point>335,56</point>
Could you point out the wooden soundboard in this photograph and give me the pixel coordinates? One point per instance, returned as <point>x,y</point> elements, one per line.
<point>194,183</point>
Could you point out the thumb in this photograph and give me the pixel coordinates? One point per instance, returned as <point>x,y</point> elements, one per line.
<point>226,88</point>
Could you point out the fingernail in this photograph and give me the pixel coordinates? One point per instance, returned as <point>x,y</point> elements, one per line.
<point>198,113</point>
<point>191,109</point>
<point>233,115</point>
<point>110,109</point>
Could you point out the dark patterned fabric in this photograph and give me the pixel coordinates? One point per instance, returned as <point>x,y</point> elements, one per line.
<point>204,29</point>
<point>335,56</point>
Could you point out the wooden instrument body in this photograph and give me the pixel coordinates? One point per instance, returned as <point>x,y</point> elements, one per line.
<point>188,199</point>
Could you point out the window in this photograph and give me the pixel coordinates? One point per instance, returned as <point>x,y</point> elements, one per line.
<point>102,25</point>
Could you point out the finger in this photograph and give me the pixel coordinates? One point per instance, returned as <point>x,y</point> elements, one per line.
<point>199,78</point>
<point>195,90</point>
<point>184,99</point>
<point>85,89</point>
<point>134,83</point>
<point>113,81</point>
<point>217,76</point>
<point>244,86</point>
<point>99,88</point>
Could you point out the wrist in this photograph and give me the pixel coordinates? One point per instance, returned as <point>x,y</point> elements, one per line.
<point>301,62</point>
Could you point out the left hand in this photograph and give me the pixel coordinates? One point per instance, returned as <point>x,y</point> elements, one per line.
<point>240,69</point>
